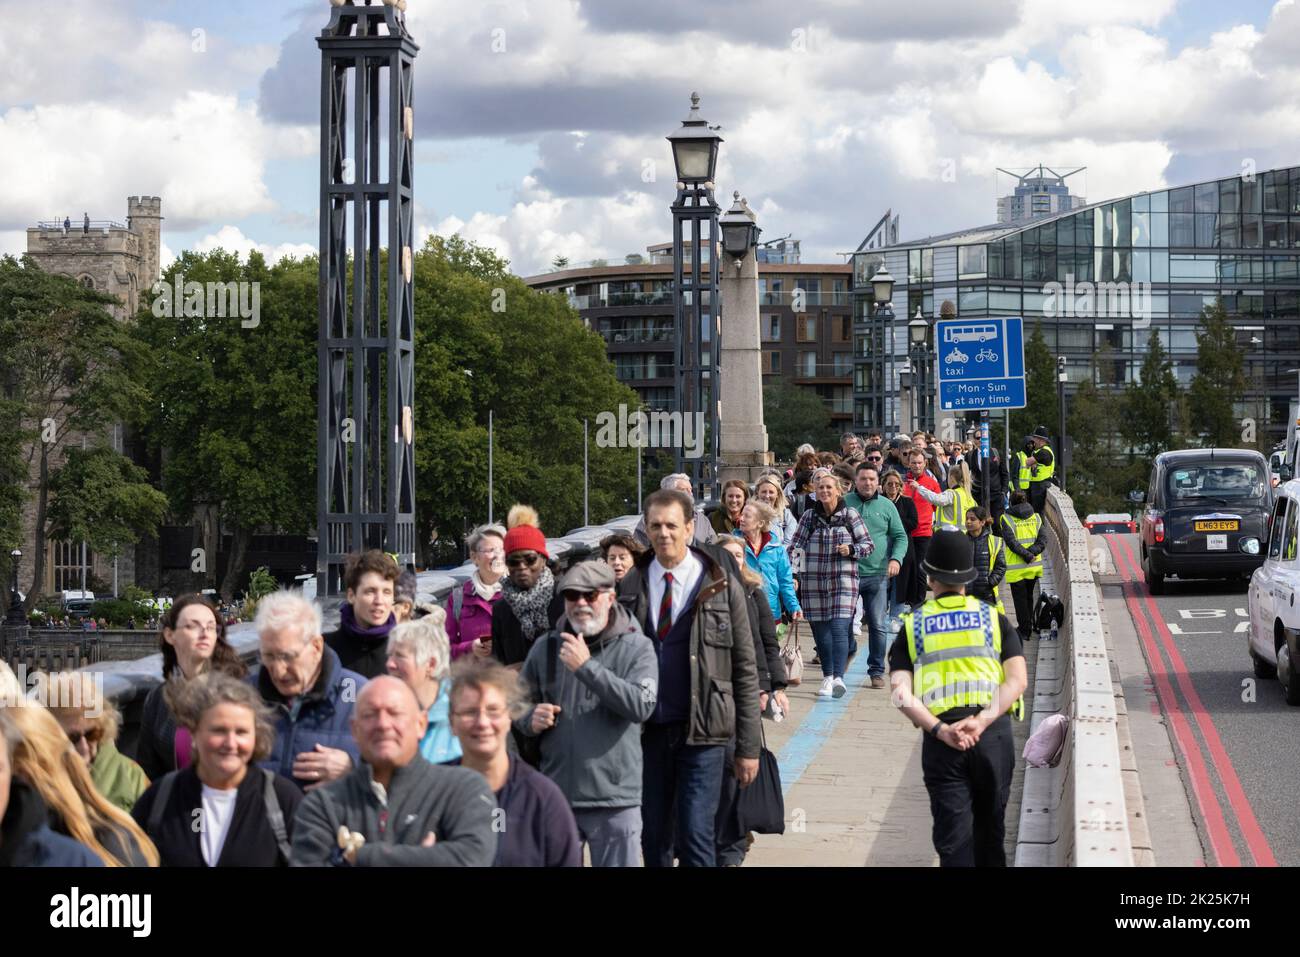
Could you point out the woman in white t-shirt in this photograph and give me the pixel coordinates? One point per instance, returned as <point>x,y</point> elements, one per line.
<point>222,810</point>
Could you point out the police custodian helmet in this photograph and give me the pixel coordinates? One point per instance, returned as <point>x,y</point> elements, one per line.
<point>950,558</point>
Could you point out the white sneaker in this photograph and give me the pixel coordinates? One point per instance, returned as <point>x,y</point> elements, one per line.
<point>840,689</point>
<point>827,689</point>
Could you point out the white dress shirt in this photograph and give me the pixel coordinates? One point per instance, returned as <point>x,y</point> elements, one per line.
<point>685,576</point>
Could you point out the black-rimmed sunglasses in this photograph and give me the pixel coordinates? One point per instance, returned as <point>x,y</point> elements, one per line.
<point>522,561</point>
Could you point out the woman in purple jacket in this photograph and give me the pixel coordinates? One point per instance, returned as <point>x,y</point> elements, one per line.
<point>469,609</point>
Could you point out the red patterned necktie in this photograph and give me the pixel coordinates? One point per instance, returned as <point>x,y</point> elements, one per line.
<point>666,608</point>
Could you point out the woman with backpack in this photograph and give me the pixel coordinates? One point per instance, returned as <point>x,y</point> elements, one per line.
<point>469,609</point>
<point>221,810</point>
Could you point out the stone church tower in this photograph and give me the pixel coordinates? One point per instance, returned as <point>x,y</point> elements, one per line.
<point>122,260</point>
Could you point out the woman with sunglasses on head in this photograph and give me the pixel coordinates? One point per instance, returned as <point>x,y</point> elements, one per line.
<point>769,491</point>
<point>530,604</point>
<point>91,721</point>
<point>193,642</point>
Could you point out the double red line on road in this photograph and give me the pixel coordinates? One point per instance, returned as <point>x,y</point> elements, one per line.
<point>1225,853</point>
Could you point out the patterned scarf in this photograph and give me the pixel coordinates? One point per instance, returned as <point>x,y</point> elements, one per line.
<point>530,606</point>
<point>484,591</point>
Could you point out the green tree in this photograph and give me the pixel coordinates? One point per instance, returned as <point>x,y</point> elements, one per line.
<point>1040,386</point>
<point>68,369</point>
<point>232,401</point>
<point>1148,405</point>
<point>794,416</point>
<point>485,341</point>
<point>1220,379</point>
<point>101,497</point>
<point>1100,475</point>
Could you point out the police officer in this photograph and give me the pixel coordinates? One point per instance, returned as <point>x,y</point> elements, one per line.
<point>1042,468</point>
<point>956,669</point>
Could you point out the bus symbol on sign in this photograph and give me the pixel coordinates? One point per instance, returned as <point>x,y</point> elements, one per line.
<point>980,333</point>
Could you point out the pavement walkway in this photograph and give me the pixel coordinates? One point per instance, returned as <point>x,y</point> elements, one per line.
<point>851,771</point>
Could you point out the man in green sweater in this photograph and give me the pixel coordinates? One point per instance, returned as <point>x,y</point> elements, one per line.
<point>874,572</point>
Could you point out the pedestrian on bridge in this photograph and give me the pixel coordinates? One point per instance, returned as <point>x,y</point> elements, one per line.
<point>366,617</point>
<point>1025,538</point>
<point>833,540</point>
<point>1042,469</point>
<point>956,670</point>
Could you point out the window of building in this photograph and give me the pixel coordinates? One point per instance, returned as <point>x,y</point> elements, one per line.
<point>771,363</point>
<point>771,327</point>
<point>972,262</point>
<point>842,363</point>
<point>807,365</point>
<point>87,281</point>
<point>806,327</point>
<point>66,561</point>
<point>841,329</point>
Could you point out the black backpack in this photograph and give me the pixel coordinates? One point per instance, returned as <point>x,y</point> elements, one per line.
<point>1049,610</point>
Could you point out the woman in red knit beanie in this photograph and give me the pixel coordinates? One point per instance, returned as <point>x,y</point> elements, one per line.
<point>530,605</point>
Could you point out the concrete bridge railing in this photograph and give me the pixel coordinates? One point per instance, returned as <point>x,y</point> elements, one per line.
<point>1077,814</point>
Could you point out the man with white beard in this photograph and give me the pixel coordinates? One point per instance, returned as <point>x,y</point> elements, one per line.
<point>594,679</point>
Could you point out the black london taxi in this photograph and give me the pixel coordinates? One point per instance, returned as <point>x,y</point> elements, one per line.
<point>1205,515</point>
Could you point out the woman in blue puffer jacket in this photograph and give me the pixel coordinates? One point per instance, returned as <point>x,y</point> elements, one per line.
<point>766,555</point>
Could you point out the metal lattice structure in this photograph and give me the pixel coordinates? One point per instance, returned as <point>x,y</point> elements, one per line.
<point>698,326</point>
<point>365,346</point>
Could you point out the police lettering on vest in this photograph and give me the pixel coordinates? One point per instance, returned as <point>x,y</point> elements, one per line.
<point>955,645</point>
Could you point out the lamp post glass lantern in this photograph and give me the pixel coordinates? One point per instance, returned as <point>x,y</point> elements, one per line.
<point>882,286</point>
<point>695,290</point>
<point>739,229</point>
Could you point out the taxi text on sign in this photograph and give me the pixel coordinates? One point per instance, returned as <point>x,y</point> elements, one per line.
<point>981,363</point>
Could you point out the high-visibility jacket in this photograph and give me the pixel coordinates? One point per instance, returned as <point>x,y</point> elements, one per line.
<point>955,644</point>
<point>954,513</point>
<point>995,546</point>
<point>1026,533</point>
<point>1023,471</point>
<point>1040,472</point>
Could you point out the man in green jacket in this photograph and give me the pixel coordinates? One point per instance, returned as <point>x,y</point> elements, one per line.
<point>874,572</point>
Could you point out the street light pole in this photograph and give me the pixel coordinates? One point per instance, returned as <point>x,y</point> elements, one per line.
<point>695,297</point>
<point>882,290</point>
<point>917,332</point>
<point>1060,409</point>
<point>15,616</point>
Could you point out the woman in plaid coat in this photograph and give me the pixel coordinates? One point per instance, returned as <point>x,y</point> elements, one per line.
<point>825,550</point>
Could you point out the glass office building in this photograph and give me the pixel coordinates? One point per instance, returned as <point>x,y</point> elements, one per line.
<point>1100,278</point>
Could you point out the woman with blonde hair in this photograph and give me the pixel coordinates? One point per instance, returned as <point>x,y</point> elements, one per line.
<point>91,721</point>
<point>768,490</point>
<point>951,506</point>
<point>47,762</point>
<point>419,655</point>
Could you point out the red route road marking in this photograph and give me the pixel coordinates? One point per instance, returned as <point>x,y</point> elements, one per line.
<point>1250,829</point>
<point>1225,853</point>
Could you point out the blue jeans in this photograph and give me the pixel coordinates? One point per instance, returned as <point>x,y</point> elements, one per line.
<point>681,785</point>
<point>832,640</point>
<point>875,593</point>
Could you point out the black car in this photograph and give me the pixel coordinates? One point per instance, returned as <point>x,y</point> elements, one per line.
<point>1205,515</point>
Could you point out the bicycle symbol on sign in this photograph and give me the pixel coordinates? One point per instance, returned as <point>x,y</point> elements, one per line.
<point>986,355</point>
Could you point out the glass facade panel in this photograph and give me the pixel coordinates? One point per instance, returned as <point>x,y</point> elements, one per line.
<point>1065,231</point>
<point>1205,226</point>
<point>972,301</point>
<point>1182,229</point>
<point>1159,229</point>
<point>972,262</point>
<point>1250,196</point>
<point>1141,265</point>
<point>1082,229</point>
<point>1141,229</point>
<point>1207,198</point>
<point>1229,231</point>
<point>1142,204</point>
<point>1229,196</point>
<point>1160,202</point>
<point>1122,226</point>
<point>927,265</point>
<point>1181,200</point>
<point>1159,265</point>
<point>1251,231</point>
<point>1275,232</point>
<point>1276,192</point>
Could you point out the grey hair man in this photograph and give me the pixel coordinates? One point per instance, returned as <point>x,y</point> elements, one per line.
<point>596,680</point>
<point>680,482</point>
<point>303,682</point>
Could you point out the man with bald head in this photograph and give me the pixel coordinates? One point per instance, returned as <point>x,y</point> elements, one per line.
<point>395,809</point>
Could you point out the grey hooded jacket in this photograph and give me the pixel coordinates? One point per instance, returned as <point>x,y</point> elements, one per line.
<point>593,753</point>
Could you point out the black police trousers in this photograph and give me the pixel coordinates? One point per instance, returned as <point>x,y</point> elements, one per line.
<point>968,797</point>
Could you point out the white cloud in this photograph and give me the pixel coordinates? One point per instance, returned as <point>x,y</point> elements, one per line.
<point>232,239</point>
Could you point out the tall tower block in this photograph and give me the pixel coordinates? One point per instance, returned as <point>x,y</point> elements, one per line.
<point>145,219</point>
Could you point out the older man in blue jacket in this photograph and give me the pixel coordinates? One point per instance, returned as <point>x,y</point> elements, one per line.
<point>312,695</point>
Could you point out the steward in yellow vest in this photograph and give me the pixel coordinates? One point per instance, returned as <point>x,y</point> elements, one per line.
<point>956,669</point>
<point>1025,538</point>
<point>989,557</point>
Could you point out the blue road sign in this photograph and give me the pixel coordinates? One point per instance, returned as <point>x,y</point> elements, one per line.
<point>981,363</point>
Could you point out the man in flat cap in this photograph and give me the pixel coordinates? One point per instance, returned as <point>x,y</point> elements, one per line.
<point>595,678</point>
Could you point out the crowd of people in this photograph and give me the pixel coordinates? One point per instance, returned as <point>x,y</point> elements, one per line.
<point>608,712</point>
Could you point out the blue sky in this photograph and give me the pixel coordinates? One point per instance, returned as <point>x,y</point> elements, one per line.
<point>539,148</point>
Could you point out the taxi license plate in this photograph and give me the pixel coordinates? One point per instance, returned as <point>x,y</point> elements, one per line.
<point>1231,525</point>
<point>1216,543</point>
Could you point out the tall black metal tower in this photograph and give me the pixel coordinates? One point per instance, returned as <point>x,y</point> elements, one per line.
<point>365,346</point>
<point>696,316</point>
